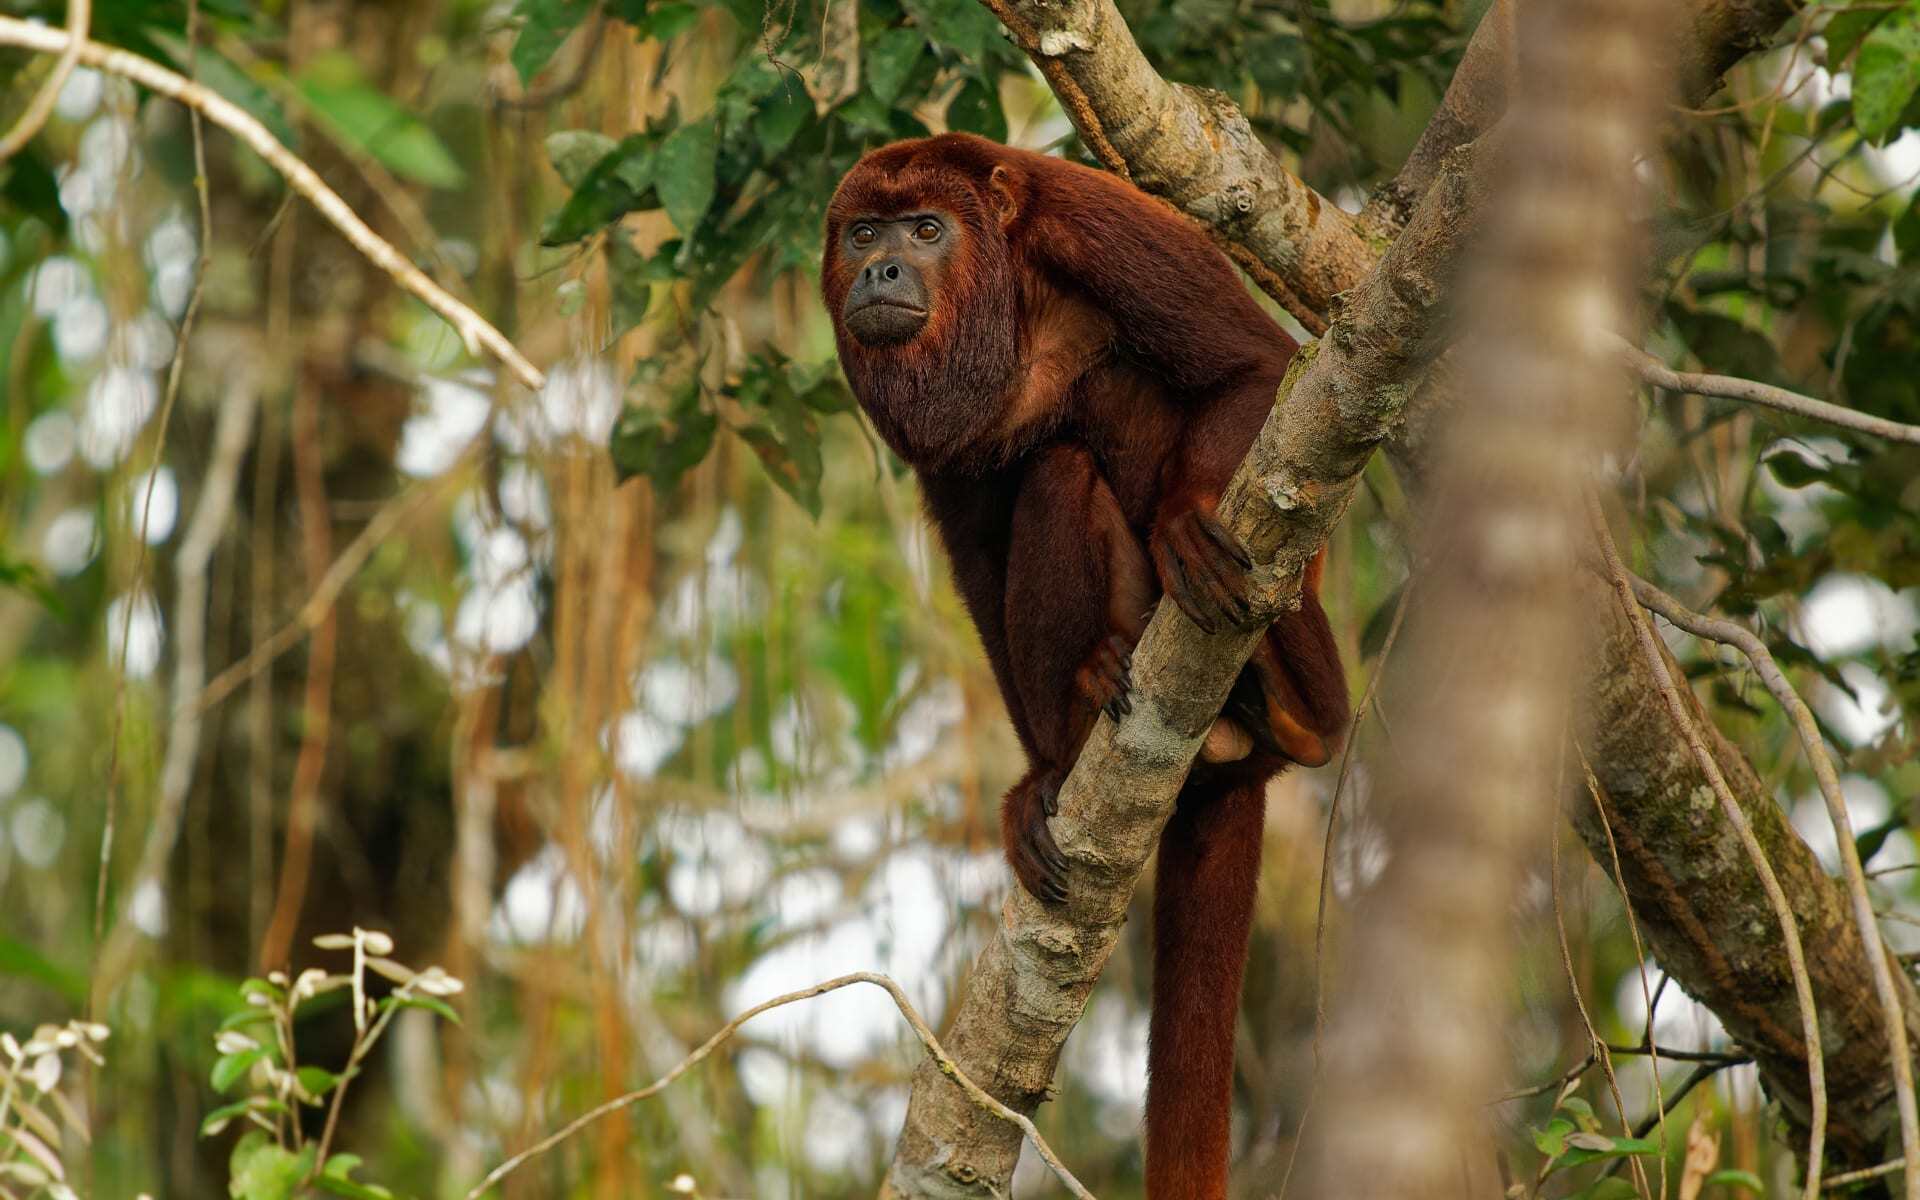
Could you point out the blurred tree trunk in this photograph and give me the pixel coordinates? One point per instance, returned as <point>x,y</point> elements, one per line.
<point>1483,701</point>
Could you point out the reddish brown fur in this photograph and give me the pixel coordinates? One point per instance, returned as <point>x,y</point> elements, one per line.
<point>1090,374</point>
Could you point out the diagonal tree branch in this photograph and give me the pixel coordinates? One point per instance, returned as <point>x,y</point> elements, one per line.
<point>1032,980</point>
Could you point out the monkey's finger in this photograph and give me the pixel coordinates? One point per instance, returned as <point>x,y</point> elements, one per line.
<point>1223,538</point>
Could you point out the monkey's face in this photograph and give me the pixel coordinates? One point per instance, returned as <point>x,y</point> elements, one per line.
<point>898,266</point>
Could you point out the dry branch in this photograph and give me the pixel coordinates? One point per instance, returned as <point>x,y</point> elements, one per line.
<point>1727,387</point>
<point>1685,720</point>
<point>937,1057</point>
<point>1892,1020</point>
<point>473,329</point>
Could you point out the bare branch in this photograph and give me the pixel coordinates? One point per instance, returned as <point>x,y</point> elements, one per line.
<point>79,19</point>
<point>473,329</point>
<point>1892,1016</point>
<point>233,429</point>
<point>1729,387</point>
<point>936,1056</point>
<point>1193,147</point>
<point>1756,855</point>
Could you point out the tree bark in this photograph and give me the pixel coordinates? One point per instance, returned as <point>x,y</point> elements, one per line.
<point>1682,866</point>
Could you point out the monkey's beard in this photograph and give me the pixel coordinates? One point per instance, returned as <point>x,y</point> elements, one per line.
<point>940,398</point>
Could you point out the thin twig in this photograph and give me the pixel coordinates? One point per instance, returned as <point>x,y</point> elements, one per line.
<point>396,514</point>
<point>1728,387</point>
<point>1892,1013</point>
<point>79,18</point>
<point>303,803</point>
<point>473,329</point>
<point>233,429</point>
<point>1598,1050</point>
<point>1847,1178</point>
<point>175,373</point>
<point>920,1029</point>
<point>1730,807</point>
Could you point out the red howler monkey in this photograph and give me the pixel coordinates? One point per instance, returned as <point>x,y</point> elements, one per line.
<point>1073,372</point>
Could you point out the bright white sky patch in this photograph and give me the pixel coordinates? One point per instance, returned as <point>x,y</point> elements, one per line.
<point>153,504</point>
<point>448,415</point>
<point>13,761</point>
<point>1862,720</point>
<point>1846,614</point>
<point>140,635</point>
<point>117,406</point>
<point>38,832</point>
<point>71,541</point>
<point>50,441</point>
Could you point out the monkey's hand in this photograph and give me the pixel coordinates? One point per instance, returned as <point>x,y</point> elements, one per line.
<point>1036,861</point>
<point>1204,568</point>
<point>1104,680</point>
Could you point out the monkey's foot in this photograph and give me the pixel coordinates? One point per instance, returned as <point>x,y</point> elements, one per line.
<point>1227,741</point>
<point>1204,568</point>
<point>1105,679</point>
<point>1031,851</point>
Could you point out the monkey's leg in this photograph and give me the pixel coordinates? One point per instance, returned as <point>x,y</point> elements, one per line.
<point>1079,588</point>
<point>1202,910</point>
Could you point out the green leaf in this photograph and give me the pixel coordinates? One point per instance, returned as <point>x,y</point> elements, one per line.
<point>663,446</point>
<point>245,1017</point>
<point>1593,1147</point>
<point>628,275</point>
<point>1846,28</point>
<point>891,58</point>
<point>230,1069</point>
<point>784,114</point>
<point>364,117</point>
<point>683,173</point>
<point>1739,1179</point>
<point>334,1178</point>
<point>783,432</point>
<point>1612,1188</point>
<point>1906,231</point>
<point>318,1081</point>
<point>667,20</point>
<point>966,29</point>
<point>573,152</point>
<point>977,110</point>
<point>432,1004</point>
<point>223,1116</point>
<point>548,24</point>
<point>1552,1140</point>
<point>616,185</point>
<point>1794,471</point>
<point>20,961</point>
<point>263,1170</point>
<point>1887,73</point>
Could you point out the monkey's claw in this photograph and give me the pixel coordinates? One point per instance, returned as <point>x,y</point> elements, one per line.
<point>1106,679</point>
<point>1205,569</point>
<point>1031,851</point>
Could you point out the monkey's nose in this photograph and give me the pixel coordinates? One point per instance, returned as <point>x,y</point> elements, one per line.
<point>888,271</point>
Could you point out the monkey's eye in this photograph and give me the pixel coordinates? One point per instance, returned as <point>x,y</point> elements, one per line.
<point>927,231</point>
<point>863,236</point>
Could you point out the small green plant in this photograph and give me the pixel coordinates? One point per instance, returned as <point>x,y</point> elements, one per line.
<point>276,1160</point>
<point>33,1110</point>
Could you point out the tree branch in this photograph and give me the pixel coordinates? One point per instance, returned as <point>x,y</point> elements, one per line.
<point>1891,1018</point>
<point>1729,387</point>
<point>1194,148</point>
<point>473,329</point>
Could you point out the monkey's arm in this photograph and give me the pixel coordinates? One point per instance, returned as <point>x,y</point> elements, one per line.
<point>1179,309</point>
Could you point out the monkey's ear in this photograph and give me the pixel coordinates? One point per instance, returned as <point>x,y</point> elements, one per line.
<point>1003,192</point>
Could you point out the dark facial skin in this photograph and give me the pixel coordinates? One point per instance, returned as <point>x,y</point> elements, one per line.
<point>900,262</point>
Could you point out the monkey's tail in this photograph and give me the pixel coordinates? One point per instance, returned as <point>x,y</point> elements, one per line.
<point>1202,911</point>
